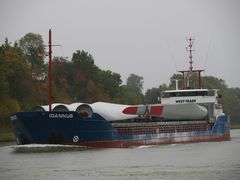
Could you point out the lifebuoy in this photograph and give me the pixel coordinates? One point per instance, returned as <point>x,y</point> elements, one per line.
<point>75,139</point>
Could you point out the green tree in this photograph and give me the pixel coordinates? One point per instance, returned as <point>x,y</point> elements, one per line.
<point>230,97</point>
<point>15,80</point>
<point>93,83</point>
<point>128,96</point>
<point>135,83</point>
<point>109,81</point>
<point>62,78</point>
<point>153,95</point>
<point>83,59</point>
<point>173,79</point>
<point>211,82</point>
<point>132,92</point>
<point>19,78</point>
<point>81,75</point>
<point>231,104</point>
<point>4,69</point>
<point>33,48</point>
<point>4,72</point>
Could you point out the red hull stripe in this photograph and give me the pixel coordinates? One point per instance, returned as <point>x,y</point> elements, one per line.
<point>126,144</point>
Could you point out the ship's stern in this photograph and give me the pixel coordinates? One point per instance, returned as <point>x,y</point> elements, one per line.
<point>221,127</point>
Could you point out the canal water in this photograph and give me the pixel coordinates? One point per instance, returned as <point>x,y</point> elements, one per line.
<point>210,160</point>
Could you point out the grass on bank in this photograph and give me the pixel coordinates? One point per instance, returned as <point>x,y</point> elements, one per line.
<point>6,135</point>
<point>235,126</point>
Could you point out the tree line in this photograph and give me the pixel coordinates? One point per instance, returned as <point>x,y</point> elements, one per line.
<point>24,81</point>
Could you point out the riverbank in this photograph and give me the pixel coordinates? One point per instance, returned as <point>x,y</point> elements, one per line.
<point>235,126</point>
<point>6,135</point>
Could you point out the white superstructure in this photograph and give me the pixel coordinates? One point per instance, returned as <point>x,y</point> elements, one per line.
<point>191,103</point>
<point>189,96</point>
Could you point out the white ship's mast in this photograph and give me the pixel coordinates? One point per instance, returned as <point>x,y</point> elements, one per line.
<point>188,73</point>
<point>190,50</point>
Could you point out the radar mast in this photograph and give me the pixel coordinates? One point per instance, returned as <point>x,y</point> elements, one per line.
<point>188,73</point>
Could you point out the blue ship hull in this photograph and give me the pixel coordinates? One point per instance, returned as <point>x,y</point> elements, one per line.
<point>70,129</point>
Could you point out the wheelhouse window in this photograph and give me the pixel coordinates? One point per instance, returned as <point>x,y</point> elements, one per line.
<point>187,93</point>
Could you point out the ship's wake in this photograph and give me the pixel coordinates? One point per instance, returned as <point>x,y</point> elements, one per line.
<point>38,148</point>
<point>144,146</point>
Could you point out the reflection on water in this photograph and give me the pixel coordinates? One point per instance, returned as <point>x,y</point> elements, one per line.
<point>218,160</point>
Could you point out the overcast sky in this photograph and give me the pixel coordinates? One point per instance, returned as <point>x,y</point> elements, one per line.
<point>143,37</point>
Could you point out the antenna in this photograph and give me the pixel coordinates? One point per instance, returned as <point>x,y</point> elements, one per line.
<point>188,73</point>
<point>190,50</point>
<point>206,58</point>
<point>172,56</point>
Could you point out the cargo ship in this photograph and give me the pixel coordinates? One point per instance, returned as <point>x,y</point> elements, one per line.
<point>182,116</point>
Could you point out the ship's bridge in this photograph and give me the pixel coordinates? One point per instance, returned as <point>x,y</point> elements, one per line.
<point>188,96</point>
